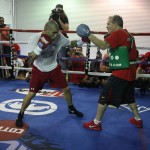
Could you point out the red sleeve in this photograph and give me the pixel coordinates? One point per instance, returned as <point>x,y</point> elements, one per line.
<point>117,38</point>
<point>17,47</point>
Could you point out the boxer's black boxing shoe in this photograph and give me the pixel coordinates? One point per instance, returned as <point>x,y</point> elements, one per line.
<point>74,111</point>
<point>19,120</point>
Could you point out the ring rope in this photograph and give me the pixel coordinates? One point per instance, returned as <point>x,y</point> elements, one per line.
<point>100,60</point>
<point>18,42</point>
<point>87,53</point>
<point>26,42</point>
<point>80,59</point>
<point>74,72</point>
<point>94,32</point>
<point>8,55</point>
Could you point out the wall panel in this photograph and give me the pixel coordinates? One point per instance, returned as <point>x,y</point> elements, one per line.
<point>32,14</point>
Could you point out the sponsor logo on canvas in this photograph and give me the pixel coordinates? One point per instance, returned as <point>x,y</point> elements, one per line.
<point>36,107</point>
<point>44,92</point>
<point>141,109</point>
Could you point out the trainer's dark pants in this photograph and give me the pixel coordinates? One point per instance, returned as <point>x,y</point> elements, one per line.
<point>117,91</point>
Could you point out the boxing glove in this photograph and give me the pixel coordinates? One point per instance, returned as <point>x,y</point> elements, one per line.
<point>83,30</point>
<point>44,40</point>
<point>85,40</point>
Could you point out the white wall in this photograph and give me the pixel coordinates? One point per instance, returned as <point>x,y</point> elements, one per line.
<point>32,14</point>
<point>6,11</point>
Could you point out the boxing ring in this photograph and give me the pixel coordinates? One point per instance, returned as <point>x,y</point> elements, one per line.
<point>87,59</point>
<point>51,127</point>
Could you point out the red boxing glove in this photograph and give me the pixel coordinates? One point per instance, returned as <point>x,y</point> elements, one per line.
<point>44,41</point>
<point>85,39</point>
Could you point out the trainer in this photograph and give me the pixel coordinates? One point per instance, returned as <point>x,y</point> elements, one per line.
<point>119,88</point>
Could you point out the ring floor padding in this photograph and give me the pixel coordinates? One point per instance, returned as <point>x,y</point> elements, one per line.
<point>52,127</point>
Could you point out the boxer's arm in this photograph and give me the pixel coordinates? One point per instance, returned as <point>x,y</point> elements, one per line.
<point>98,42</point>
<point>37,45</point>
<point>84,32</point>
<point>44,41</point>
<point>32,56</point>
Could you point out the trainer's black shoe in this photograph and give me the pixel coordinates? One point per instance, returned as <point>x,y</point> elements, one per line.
<point>72,110</point>
<point>19,120</point>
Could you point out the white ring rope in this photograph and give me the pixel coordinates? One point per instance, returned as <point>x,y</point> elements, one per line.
<point>80,59</point>
<point>84,45</point>
<point>18,42</point>
<point>141,48</point>
<point>74,72</point>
